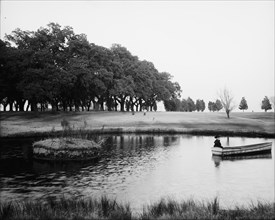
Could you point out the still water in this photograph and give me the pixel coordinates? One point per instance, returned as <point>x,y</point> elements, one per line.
<point>141,169</point>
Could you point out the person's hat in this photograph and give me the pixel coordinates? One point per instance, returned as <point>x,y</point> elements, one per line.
<point>217,136</point>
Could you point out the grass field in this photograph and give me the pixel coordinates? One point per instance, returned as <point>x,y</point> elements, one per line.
<point>205,123</point>
<point>110,209</point>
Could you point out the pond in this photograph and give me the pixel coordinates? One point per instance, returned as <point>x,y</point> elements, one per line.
<point>141,169</point>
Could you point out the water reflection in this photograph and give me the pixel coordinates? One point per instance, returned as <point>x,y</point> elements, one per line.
<point>138,169</point>
<point>218,159</point>
<point>40,166</point>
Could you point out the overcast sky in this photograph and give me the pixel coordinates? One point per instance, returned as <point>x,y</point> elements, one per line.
<point>205,45</point>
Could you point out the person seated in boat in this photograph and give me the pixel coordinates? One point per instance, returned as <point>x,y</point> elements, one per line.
<point>217,142</point>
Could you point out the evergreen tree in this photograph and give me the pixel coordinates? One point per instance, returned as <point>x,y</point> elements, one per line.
<point>191,105</point>
<point>211,106</point>
<point>243,104</point>
<point>266,104</point>
<point>202,105</point>
<point>218,105</point>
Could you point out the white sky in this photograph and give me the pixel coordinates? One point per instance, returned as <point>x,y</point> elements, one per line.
<point>205,45</point>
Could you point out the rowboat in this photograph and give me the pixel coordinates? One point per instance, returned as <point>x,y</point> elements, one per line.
<point>251,149</point>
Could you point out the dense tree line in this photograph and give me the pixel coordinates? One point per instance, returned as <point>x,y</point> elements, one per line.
<point>184,105</point>
<point>55,67</point>
<point>215,106</point>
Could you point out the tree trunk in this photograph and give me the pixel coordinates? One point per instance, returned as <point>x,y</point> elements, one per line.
<point>122,103</point>
<point>11,106</point>
<point>21,105</point>
<point>227,113</point>
<point>88,106</point>
<point>109,103</point>
<point>16,106</point>
<point>115,103</point>
<point>131,104</point>
<point>101,105</point>
<point>140,104</point>
<point>28,107</point>
<point>64,104</point>
<point>34,107</point>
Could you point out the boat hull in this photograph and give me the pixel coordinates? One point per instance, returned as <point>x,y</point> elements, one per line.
<point>253,149</point>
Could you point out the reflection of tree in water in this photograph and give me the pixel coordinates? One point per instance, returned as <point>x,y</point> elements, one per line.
<point>170,140</point>
<point>132,142</point>
<point>136,142</point>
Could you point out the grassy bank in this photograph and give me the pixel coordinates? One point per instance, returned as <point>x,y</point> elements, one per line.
<point>253,124</point>
<point>110,209</point>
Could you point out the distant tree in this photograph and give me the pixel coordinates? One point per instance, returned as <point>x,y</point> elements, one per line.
<point>227,101</point>
<point>272,100</point>
<point>198,108</point>
<point>211,106</point>
<point>163,88</point>
<point>184,105</point>
<point>172,105</point>
<point>191,104</point>
<point>218,105</point>
<point>266,104</point>
<point>200,105</point>
<point>243,104</point>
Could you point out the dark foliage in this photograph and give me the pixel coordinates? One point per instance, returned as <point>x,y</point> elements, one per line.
<point>55,68</point>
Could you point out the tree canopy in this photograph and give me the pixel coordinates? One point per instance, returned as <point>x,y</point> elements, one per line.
<point>54,66</point>
<point>266,105</point>
<point>227,99</point>
<point>184,105</point>
<point>243,104</point>
<point>215,106</point>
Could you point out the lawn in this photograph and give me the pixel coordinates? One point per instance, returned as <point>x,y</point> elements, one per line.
<point>240,123</point>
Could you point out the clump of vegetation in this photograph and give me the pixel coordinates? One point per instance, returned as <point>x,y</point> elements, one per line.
<point>65,124</point>
<point>72,144</point>
<point>105,208</point>
<point>70,131</point>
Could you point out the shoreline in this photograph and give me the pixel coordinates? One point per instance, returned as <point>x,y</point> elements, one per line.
<point>36,124</point>
<point>151,131</point>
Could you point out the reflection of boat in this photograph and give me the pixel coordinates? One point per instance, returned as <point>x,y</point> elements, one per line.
<point>252,149</point>
<point>218,159</point>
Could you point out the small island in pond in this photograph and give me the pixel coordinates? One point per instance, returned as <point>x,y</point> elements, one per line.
<point>66,149</point>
